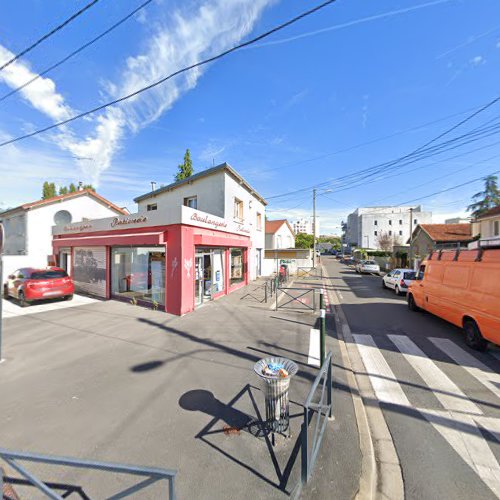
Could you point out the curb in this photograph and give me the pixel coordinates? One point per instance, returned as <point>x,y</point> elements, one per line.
<point>381,475</point>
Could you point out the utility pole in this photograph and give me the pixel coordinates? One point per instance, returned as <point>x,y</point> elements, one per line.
<point>411,235</point>
<point>314,227</point>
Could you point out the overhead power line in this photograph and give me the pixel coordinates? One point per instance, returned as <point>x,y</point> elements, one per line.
<point>77,51</point>
<point>386,165</point>
<point>49,34</point>
<point>174,74</point>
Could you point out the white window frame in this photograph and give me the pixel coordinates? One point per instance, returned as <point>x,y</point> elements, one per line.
<point>238,209</point>
<point>189,199</point>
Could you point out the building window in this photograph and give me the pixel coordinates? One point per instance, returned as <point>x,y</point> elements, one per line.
<point>496,228</point>
<point>259,221</point>
<point>400,222</point>
<point>238,209</point>
<point>191,202</point>
<point>375,223</point>
<point>138,273</point>
<point>390,233</point>
<point>390,222</point>
<point>375,233</point>
<point>236,265</point>
<point>62,217</point>
<point>415,221</point>
<point>400,233</point>
<point>153,206</point>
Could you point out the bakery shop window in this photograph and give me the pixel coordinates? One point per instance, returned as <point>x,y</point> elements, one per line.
<point>236,265</point>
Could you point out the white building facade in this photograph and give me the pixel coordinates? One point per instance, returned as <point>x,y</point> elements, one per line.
<point>28,228</point>
<point>366,225</point>
<point>305,226</point>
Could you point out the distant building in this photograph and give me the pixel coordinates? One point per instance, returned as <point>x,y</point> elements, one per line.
<point>457,220</point>
<point>366,224</point>
<point>429,237</point>
<point>305,226</point>
<point>487,225</point>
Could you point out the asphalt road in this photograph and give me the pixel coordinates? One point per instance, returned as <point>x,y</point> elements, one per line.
<point>441,400</point>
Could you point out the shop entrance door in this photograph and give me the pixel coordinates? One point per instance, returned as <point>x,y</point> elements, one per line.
<point>203,277</point>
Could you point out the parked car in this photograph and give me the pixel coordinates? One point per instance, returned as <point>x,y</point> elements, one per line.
<point>368,266</point>
<point>462,288</point>
<point>399,280</point>
<point>358,263</point>
<point>29,284</point>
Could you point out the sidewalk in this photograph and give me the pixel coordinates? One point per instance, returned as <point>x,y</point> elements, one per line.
<point>110,381</point>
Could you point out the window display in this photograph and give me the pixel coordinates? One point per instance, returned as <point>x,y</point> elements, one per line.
<point>139,273</point>
<point>236,265</point>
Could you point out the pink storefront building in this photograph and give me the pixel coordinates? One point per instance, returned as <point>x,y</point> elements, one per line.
<point>189,242</point>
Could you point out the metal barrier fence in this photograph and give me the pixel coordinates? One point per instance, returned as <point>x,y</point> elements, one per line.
<point>310,272</point>
<point>152,474</point>
<point>323,411</point>
<point>301,296</point>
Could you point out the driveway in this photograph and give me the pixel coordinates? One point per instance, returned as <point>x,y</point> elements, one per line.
<point>10,307</point>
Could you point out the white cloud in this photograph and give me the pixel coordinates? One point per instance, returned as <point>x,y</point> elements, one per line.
<point>477,60</point>
<point>186,37</point>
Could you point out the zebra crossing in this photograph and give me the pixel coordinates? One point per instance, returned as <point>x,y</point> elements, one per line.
<point>458,418</point>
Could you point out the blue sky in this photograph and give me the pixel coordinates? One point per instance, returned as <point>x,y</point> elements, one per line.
<point>355,73</point>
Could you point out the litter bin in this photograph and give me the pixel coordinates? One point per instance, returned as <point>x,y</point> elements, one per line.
<point>275,374</point>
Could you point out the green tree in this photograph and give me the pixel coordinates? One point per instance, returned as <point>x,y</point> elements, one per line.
<point>89,186</point>
<point>186,168</point>
<point>63,190</point>
<point>484,200</point>
<point>72,188</point>
<point>45,190</point>
<point>303,240</point>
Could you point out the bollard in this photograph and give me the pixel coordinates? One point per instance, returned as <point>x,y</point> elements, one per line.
<point>322,325</point>
<point>265,291</point>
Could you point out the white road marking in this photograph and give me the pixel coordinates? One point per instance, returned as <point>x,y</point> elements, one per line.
<point>382,378</point>
<point>448,393</point>
<point>478,370</point>
<point>491,424</point>
<point>462,434</point>
<point>314,348</point>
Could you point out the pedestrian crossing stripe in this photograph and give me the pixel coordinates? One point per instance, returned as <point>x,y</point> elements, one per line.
<point>477,369</point>
<point>446,391</point>
<point>460,420</point>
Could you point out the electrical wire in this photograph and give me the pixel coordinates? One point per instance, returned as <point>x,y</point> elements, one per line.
<point>174,74</point>
<point>77,51</point>
<point>49,34</point>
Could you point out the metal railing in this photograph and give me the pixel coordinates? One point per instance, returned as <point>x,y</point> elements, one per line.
<point>310,272</point>
<point>301,297</point>
<point>151,474</point>
<point>323,413</point>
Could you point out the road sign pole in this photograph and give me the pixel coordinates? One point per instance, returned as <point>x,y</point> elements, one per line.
<point>322,326</point>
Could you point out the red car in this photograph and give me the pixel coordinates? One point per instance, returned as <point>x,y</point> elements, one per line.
<point>29,284</point>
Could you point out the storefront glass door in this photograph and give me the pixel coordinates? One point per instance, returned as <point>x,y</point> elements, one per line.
<point>198,280</point>
<point>209,274</point>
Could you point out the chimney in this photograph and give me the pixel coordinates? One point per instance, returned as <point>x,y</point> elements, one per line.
<point>80,186</point>
<point>153,186</point>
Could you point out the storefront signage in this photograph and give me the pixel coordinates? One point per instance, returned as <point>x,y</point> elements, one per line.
<point>242,229</point>
<point>117,221</point>
<point>78,227</point>
<point>217,224</point>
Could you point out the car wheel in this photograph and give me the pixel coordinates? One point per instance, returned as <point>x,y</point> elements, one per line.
<point>473,337</point>
<point>396,291</point>
<point>383,284</point>
<point>22,299</point>
<point>412,306</point>
<point>68,297</point>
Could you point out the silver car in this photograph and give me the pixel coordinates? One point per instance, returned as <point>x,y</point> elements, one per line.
<point>368,266</point>
<point>399,280</point>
